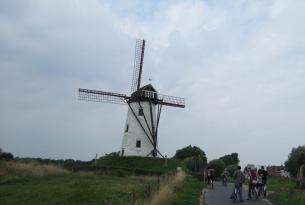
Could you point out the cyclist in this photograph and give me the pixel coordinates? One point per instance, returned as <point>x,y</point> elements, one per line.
<point>239,178</point>
<point>224,176</point>
<point>211,176</point>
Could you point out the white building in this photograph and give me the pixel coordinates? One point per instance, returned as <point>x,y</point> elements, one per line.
<point>140,133</point>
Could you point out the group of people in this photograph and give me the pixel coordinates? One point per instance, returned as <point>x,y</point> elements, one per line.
<point>256,178</point>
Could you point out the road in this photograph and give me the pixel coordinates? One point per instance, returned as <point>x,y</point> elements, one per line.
<point>220,195</point>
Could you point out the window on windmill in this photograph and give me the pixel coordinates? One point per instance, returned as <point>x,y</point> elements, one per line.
<point>127,127</point>
<point>141,113</point>
<point>138,144</point>
<point>152,95</point>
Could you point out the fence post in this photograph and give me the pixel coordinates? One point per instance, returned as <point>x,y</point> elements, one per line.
<point>158,183</point>
<point>147,191</point>
<point>168,176</point>
<point>133,198</point>
<point>107,202</point>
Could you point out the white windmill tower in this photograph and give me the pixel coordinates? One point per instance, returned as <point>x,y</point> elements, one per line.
<point>143,116</point>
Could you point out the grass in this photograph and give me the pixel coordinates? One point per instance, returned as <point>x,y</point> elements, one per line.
<point>73,189</point>
<point>188,193</point>
<point>12,171</point>
<point>283,192</point>
<point>22,183</point>
<point>34,183</point>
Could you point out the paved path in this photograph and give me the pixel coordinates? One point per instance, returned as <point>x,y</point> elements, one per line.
<point>219,195</point>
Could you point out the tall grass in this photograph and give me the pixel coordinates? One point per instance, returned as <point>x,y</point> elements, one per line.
<point>15,170</point>
<point>74,189</point>
<point>166,190</point>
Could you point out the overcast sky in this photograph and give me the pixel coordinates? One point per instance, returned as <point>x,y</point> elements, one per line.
<point>239,64</point>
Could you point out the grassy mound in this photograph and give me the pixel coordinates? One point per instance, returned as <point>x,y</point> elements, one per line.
<point>139,164</point>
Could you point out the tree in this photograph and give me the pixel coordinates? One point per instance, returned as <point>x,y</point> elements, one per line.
<point>190,151</point>
<point>293,158</point>
<point>6,156</point>
<point>218,165</point>
<point>193,157</point>
<point>230,159</point>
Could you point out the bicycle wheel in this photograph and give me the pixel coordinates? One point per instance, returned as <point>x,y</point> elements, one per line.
<point>256,194</point>
<point>265,192</point>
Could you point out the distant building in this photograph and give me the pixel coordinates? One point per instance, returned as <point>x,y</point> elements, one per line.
<point>251,167</point>
<point>275,170</point>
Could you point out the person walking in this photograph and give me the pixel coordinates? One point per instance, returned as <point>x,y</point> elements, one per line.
<point>263,173</point>
<point>252,181</point>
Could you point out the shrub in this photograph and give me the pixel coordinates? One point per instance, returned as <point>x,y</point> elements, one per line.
<point>6,155</point>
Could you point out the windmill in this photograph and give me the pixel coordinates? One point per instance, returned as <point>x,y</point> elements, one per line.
<point>145,104</point>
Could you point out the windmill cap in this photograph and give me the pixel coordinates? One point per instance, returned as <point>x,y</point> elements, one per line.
<point>138,95</point>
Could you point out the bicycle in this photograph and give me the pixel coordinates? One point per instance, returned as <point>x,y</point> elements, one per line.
<point>224,181</point>
<point>235,193</point>
<point>264,190</point>
<point>258,191</point>
<point>211,183</point>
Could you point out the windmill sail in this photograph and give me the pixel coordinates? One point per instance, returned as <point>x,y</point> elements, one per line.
<point>138,65</point>
<point>101,96</point>
<point>171,101</point>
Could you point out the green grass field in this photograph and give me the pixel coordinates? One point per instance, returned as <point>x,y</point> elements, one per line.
<point>35,183</point>
<point>284,192</point>
<point>32,183</point>
<point>73,189</point>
